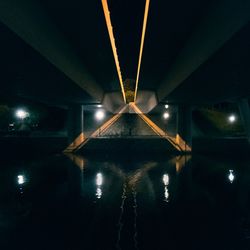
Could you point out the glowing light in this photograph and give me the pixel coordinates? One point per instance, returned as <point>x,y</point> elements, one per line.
<point>142,45</point>
<point>21,114</point>
<point>99,182</point>
<point>166,115</point>
<point>20,179</point>
<point>231,176</point>
<point>174,142</point>
<point>166,106</point>
<point>98,193</point>
<point>99,115</point>
<point>165,179</point>
<point>232,118</point>
<point>112,41</point>
<point>99,106</point>
<point>99,179</point>
<point>166,194</point>
<point>82,140</point>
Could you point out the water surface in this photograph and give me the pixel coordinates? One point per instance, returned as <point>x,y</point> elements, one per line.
<point>75,202</point>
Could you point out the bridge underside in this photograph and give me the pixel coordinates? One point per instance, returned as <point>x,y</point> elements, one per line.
<point>187,55</point>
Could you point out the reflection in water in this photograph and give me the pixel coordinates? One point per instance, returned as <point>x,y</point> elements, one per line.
<point>133,213</point>
<point>20,179</point>
<point>231,176</point>
<point>98,193</point>
<point>165,180</point>
<point>120,224</point>
<point>138,187</point>
<point>77,174</point>
<point>135,219</point>
<point>140,173</point>
<point>181,161</point>
<point>99,182</point>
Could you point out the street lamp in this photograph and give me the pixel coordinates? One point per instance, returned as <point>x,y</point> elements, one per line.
<point>166,115</point>
<point>99,115</point>
<point>232,118</point>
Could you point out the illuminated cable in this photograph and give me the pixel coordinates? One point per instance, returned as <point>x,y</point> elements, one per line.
<point>112,41</point>
<point>142,45</point>
<point>177,143</point>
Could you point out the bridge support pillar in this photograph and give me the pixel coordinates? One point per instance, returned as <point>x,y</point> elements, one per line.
<point>75,125</point>
<point>244,109</point>
<point>184,127</point>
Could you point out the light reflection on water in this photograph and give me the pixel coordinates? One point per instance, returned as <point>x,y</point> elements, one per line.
<point>178,192</point>
<point>120,223</point>
<point>165,179</point>
<point>99,182</point>
<point>231,176</point>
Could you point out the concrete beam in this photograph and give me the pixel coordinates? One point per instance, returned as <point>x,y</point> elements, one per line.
<point>222,22</point>
<point>28,20</point>
<point>146,100</point>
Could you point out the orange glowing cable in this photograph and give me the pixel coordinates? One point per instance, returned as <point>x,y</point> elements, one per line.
<point>112,41</point>
<point>179,144</point>
<point>142,45</point>
<point>103,127</point>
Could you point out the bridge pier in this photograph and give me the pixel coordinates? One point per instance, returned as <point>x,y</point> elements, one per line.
<point>75,126</point>
<point>184,127</point>
<point>244,109</point>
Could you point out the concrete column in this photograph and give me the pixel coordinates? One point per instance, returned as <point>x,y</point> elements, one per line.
<point>184,127</point>
<point>75,123</point>
<point>245,115</point>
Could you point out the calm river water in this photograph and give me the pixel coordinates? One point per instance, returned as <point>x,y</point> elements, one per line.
<point>73,202</point>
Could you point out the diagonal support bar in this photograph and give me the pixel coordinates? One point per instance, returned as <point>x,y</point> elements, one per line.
<point>84,140</point>
<point>177,142</point>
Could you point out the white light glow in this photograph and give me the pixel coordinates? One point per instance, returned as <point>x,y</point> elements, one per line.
<point>232,118</point>
<point>99,115</point>
<point>99,182</point>
<point>20,179</point>
<point>99,179</point>
<point>231,176</point>
<point>166,115</point>
<point>166,194</point>
<point>166,106</point>
<point>99,106</point>
<point>21,114</point>
<point>98,193</point>
<point>165,179</point>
